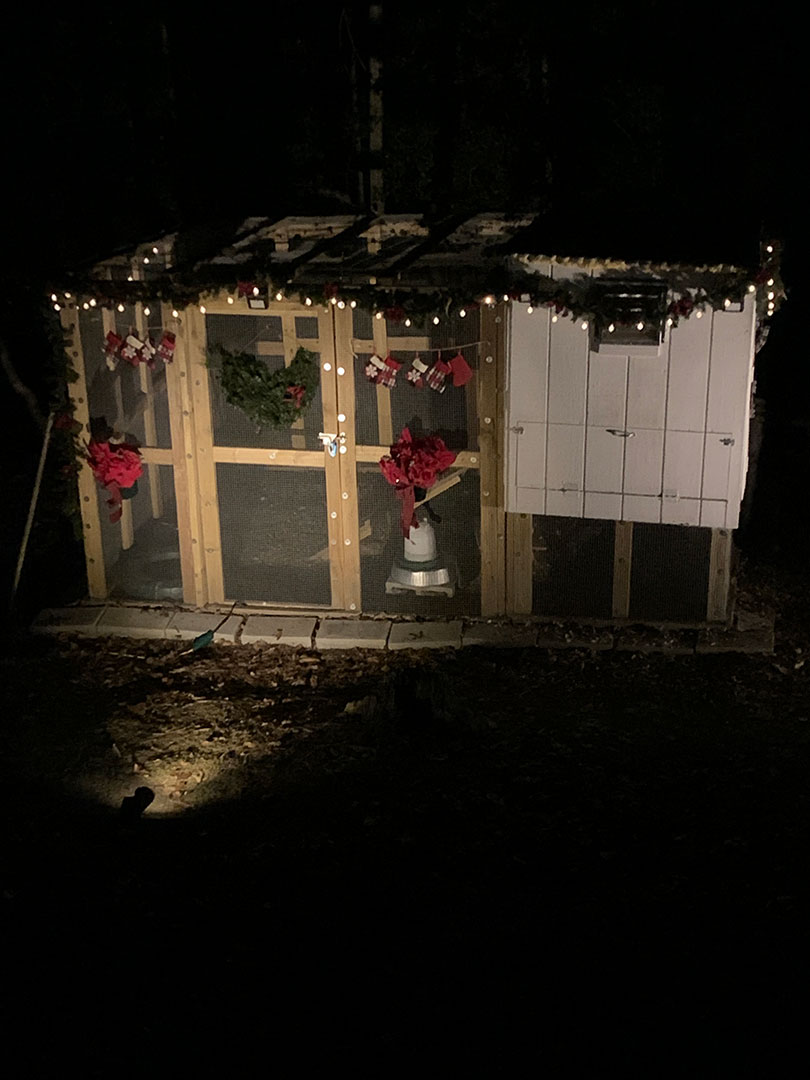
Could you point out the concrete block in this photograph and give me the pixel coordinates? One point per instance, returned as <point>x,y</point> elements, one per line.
<point>278,630</point>
<point>573,637</point>
<point>187,625</point>
<point>352,634</point>
<point>496,636</point>
<point>650,639</point>
<point>74,620</point>
<point>134,622</point>
<point>725,640</point>
<point>426,635</point>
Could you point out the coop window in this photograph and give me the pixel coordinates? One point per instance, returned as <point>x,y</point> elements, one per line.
<point>631,313</point>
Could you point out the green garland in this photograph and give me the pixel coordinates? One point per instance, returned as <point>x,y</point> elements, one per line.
<point>270,398</point>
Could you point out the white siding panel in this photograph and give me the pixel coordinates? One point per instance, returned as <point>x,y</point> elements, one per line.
<point>683,462</point>
<point>680,511</point>
<point>716,462</point>
<point>528,501</point>
<point>530,454</point>
<point>566,457</point>
<point>607,390</point>
<point>564,503</point>
<point>599,505</point>
<point>646,392</point>
<point>528,363</point>
<point>689,344</point>
<point>641,508</point>
<point>643,461</point>
<point>604,455</point>
<point>730,361</point>
<point>568,373</point>
<point>713,513</point>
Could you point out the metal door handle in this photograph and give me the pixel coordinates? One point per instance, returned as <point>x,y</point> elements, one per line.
<point>518,430</point>
<point>621,434</point>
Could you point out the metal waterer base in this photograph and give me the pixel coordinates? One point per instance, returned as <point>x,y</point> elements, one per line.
<point>429,578</point>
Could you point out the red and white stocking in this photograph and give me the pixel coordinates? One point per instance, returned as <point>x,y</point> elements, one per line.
<point>462,372</point>
<point>416,375</point>
<point>112,349</point>
<point>165,349</point>
<point>435,378</point>
<point>382,372</point>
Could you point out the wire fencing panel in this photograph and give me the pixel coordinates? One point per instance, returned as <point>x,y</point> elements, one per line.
<point>669,577</point>
<point>382,412</point>
<point>572,567</point>
<point>150,568</point>
<point>263,336</point>
<point>275,547</point>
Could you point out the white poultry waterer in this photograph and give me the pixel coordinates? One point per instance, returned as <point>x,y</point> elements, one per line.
<point>420,544</point>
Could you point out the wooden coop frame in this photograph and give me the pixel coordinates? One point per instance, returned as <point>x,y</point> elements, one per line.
<point>388,250</point>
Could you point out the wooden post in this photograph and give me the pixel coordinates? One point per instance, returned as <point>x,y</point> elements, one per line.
<point>186,487</point>
<point>519,563</point>
<point>490,438</point>
<point>385,427</point>
<point>149,423</point>
<point>347,461</point>
<point>88,488</point>
<point>290,348</point>
<point>719,575</point>
<point>334,491</point>
<point>194,326</point>
<point>622,563</point>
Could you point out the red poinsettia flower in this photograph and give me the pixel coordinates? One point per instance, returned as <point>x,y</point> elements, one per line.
<point>414,463</point>
<point>116,463</point>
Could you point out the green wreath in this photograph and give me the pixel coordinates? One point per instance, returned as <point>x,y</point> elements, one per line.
<point>270,398</point>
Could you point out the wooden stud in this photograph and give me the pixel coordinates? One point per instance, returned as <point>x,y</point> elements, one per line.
<point>290,348</point>
<point>622,568</point>
<point>149,422</point>
<point>385,426</point>
<point>335,503</point>
<point>89,492</point>
<point>490,424</point>
<point>719,575</point>
<point>252,455</point>
<point>182,458</point>
<point>344,360</point>
<point>198,375</point>
<point>156,455</point>
<point>465,459</point>
<point>519,563</point>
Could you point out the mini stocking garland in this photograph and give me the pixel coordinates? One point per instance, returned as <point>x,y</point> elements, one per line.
<point>416,375</point>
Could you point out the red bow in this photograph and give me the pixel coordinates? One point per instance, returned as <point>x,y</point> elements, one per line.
<point>296,394</point>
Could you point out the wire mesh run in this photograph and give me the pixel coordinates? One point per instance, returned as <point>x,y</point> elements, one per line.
<point>451,413</point>
<point>150,568</point>
<point>457,536</point>
<point>572,567</point>
<point>130,401</point>
<point>273,525</point>
<point>669,576</point>
<point>262,336</point>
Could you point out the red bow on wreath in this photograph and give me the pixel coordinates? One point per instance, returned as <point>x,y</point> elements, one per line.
<point>296,394</point>
<point>414,463</point>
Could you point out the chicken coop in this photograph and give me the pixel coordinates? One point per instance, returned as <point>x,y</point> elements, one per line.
<point>364,414</point>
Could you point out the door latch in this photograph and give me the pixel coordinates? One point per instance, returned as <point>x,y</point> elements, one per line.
<point>332,441</point>
<point>621,434</point>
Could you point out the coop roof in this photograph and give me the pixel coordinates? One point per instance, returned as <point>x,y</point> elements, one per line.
<point>457,257</point>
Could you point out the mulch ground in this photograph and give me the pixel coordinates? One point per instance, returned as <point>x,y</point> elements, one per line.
<point>590,864</point>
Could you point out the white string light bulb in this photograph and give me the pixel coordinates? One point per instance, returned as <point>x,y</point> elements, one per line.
<point>529,309</point>
<point>202,309</point>
<point>407,322</point>
<point>147,311</point>
<point>462,314</point>
<point>175,313</point>
<point>308,301</point>
<point>121,307</point>
<point>611,328</point>
<point>435,320</point>
<point>341,304</point>
<point>378,315</point>
<point>353,304</point>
